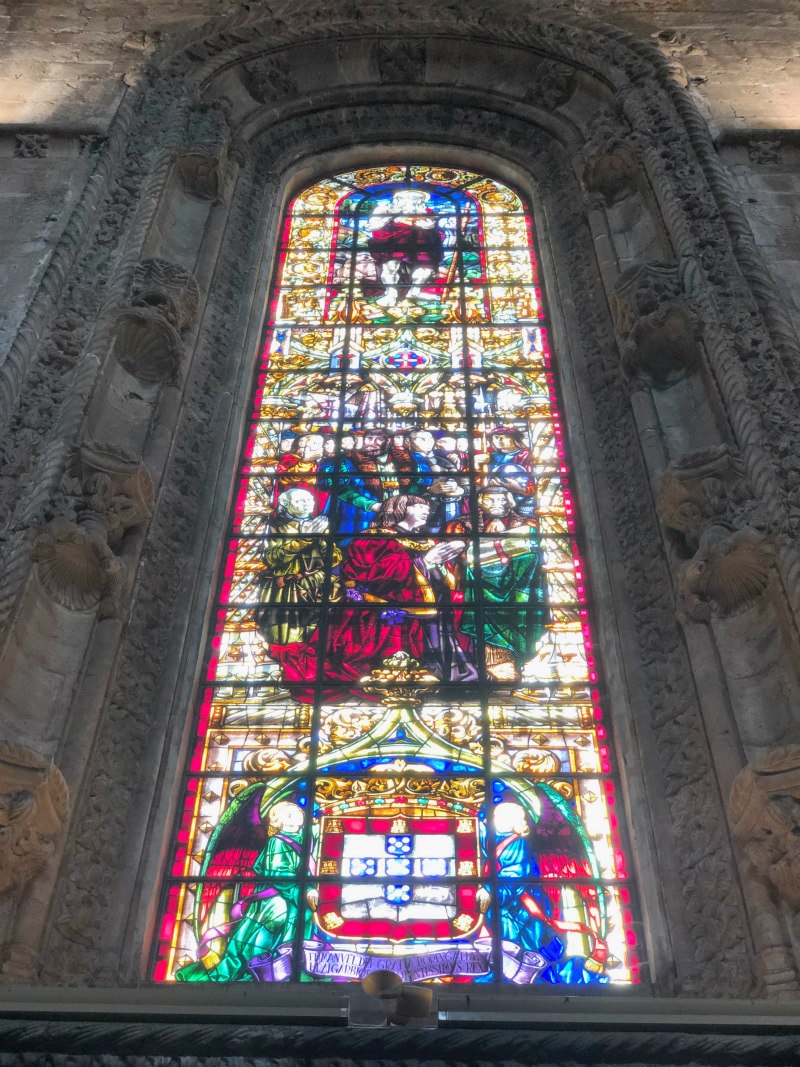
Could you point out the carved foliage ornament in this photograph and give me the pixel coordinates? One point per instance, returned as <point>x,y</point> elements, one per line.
<point>764,811</point>
<point>34,801</point>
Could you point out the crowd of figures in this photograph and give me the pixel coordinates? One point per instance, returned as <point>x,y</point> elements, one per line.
<point>418,562</point>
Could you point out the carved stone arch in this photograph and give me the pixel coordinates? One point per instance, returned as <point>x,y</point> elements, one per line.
<point>225,130</point>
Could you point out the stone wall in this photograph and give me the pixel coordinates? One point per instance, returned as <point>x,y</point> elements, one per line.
<point>145,193</point>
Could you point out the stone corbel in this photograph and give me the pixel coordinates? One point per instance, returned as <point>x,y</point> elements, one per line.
<point>611,168</point>
<point>34,802</point>
<point>699,489</point>
<point>147,334</point>
<point>202,159</point>
<point>659,334</point>
<point>764,813</point>
<point>168,289</point>
<point>104,493</point>
<point>729,573</point>
<point>701,502</point>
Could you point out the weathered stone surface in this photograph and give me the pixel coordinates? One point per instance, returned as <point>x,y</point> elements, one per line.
<point>120,290</point>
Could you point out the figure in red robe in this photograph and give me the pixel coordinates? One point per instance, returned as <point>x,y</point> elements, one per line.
<point>400,595</point>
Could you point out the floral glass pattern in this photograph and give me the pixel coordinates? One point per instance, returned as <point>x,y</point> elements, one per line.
<point>400,760</point>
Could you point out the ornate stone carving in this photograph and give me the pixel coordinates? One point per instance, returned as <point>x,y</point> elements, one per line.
<point>611,167</point>
<point>112,484</point>
<point>268,79</point>
<point>104,493</point>
<point>702,500</point>
<point>765,151</point>
<point>699,488</point>
<point>34,800</point>
<point>729,572</point>
<point>147,345</point>
<point>31,145</point>
<point>764,812</point>
<point>202,159</point>
<point>553,85</point>
<point>167,288</point>
<point>78,570</point>
<point>400,61</point>
<point>658,331</point>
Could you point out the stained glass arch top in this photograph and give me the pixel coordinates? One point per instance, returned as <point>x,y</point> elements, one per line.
<point>400,759</point>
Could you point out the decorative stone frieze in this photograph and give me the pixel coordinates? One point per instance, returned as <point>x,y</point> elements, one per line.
<point>31,145</point>
<point>764,812</point>
<point>147,345</point>
<point>202,159</point>
<point>169,289</point>
<point>34,802</point>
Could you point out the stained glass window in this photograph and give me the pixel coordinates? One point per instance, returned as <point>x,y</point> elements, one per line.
<point>400,759</point>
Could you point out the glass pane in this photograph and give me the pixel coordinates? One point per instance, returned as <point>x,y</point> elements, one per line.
<point>400,758</point>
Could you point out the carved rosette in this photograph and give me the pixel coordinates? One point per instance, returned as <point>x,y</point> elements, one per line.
<point>658,333</point>
<point>167,289</point>
<point>764,813</point>
<point>202,158</point>
<point>147,345</point>
<point>34,802</point>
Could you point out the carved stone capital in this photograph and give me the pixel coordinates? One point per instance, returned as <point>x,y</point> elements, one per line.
<point>34,801</point>
<point>147,345</point>
<point>729,572</point>
<point>202,158</point>
<point>77,568</point>
<point>701,487</point>
<point>168,289</point>
<point>764,813</point>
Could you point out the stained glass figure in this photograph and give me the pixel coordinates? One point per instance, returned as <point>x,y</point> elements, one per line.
<point>400,759</point>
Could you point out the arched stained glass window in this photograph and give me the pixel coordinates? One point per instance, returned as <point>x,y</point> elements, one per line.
<point>400,759</point>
